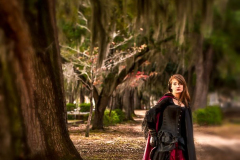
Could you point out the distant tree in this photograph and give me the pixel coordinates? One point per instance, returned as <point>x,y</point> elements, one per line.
<point>216,57</point>
<point>226,69</point>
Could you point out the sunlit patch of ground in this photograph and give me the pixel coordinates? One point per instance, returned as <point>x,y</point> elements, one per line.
<point>126,142</point>
<point>218,142</point>
<point>228,130</point>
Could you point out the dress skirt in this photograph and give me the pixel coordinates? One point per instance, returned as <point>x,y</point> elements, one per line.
<point>176,154</point>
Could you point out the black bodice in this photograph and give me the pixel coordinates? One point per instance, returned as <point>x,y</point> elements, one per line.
<point>172,129</point>
<point>172,120</point>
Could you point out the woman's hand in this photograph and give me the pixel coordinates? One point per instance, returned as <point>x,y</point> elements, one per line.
<point>153,139</point>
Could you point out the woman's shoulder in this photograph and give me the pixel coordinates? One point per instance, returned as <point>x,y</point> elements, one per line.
<point>165,101</point>
<point>166,98</point>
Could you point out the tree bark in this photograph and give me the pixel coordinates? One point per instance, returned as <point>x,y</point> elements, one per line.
<point>91,107</point>
<point>203,69</point>
<point>32,100</point>
<point>82,98</point>
<point>99,111</point>
<point>71,98</point>
<point>137,101</point>
<point>128,103</point>
<point>117,100</point>
<point>190,81</point>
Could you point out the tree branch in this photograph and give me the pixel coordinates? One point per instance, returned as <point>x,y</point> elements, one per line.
<point>85,27</point>
<point>113,79</point>
<point>67,47</point>
<point>122,43</point>
<point>82,16</point>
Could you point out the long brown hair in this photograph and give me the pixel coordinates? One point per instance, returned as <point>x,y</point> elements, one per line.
<point>184,97</point>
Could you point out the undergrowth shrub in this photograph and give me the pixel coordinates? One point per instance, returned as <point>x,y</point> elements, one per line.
<point>211,115</point>
<point>70,117</point>
<point>116,116</point>
<point>85,107</point>
<point>85,117</point>
<point>110,119</point>
<point>71,107</point>
<point>120,114</point>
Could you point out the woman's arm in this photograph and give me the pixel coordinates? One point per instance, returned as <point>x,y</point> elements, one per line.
<point>159,107</point>
<point>149,121</point>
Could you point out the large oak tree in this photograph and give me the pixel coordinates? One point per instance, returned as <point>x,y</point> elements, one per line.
<point>32,101</point>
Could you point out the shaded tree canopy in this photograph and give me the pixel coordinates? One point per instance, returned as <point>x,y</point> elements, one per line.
<point>179,37</point>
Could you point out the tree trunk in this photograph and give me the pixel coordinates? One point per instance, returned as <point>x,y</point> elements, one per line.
<point>82,98</point>
<point>128,103</point>
<point>137,101</point>
<point>32,100</point>
<point>117,100</point>
<point>203,69</point>
<point>72,92</point>
<point>190,81</point>
<point>71,98</point>
<point>89,118</point>
<point>99,111</point>
<point>90,113</point>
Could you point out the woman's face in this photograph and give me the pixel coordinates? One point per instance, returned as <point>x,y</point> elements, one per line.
<point>176,87</point>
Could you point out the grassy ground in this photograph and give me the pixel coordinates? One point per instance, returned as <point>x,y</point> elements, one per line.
<point>125,141</point>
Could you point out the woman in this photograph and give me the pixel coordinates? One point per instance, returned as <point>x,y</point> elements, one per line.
<point>169,125</point>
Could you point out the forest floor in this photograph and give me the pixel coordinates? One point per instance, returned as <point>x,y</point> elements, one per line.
<point>126,141</point>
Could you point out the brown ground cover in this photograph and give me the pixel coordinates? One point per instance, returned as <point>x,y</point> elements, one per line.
<point>126,142</point>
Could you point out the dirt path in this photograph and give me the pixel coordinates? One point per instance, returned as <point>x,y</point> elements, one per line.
<point>211,147</point>
<point>126,142</point>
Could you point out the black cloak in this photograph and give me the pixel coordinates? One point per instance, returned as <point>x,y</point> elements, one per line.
<point>150,118</point>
